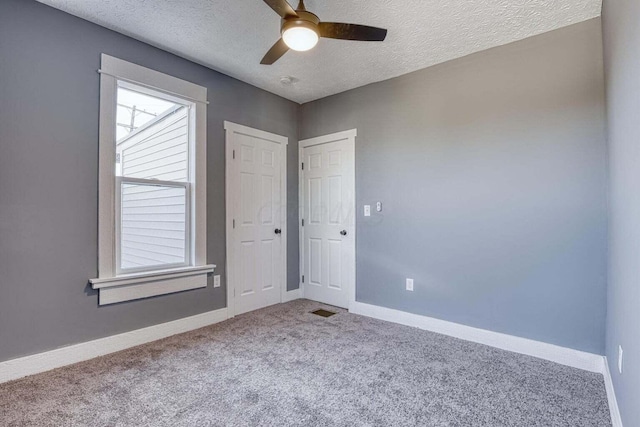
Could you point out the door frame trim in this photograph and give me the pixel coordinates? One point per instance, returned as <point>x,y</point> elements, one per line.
<point>231,193</point>
<point>349,135</point>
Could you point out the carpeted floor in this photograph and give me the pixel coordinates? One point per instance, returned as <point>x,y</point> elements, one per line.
<point>283,366</point>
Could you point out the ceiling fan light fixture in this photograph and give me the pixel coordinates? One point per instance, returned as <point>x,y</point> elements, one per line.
<point>300,30</point>
<point>300,37</point>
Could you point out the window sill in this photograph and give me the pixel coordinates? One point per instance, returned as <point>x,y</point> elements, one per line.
<point>143,285</point>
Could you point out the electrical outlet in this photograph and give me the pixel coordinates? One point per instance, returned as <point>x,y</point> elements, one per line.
<point>620,358</point>
<point>379,207</point>
<point>410,285</point>
<point>367,210</point>
<point>216,281</point>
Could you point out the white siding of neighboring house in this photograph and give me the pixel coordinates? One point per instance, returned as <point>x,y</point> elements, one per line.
<point>153,218</point>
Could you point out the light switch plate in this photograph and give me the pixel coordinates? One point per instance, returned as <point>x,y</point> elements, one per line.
<point>620,352</point>
<point>216,281</point>
<point>410,284</point>
<point>367,210</point>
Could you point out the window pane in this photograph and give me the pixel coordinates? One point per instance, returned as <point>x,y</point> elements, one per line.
<point>136,109</point>
<point>153,138</point>
<point>153,226</point>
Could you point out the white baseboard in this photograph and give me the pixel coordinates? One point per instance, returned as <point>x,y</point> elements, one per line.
<point>41,362</point>
<point>616,419</point>
<point>565,356</point>
<point>292,295</point>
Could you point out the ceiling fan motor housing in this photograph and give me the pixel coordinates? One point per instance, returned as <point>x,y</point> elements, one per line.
<point>304,19</point>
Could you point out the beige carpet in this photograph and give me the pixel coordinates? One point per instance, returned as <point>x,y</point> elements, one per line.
<point>283,366</point>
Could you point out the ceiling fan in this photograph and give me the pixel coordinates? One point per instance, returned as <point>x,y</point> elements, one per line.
<point>301,30</point>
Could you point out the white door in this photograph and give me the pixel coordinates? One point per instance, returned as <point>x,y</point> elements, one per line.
<point>256,277</point>
<point>328,233</point>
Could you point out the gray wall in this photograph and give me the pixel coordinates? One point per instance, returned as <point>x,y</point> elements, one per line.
<point>492,173</point>
<point>491,169</point>
<point>48,177</point>
<point>621,27</point>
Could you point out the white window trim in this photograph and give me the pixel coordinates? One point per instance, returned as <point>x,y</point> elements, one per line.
<point>117,288</point>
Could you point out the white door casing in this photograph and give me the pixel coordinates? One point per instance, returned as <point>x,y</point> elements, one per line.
<point>256,218</point>
<point>327,218</point>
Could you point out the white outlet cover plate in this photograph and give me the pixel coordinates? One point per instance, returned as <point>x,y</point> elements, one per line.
<point>367,210</point>
<point>216,281</point>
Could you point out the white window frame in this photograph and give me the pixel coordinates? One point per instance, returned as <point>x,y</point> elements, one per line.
<point>116,286</point>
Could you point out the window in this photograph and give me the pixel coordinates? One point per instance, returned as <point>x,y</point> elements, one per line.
<point>152,181</point>
<point>152,184</point>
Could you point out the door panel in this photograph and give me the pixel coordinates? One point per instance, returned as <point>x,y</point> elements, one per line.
<point>266,208</point>
<point>257,248</point>
<point>335,264</point>
<point>248,274</point>
<point>335,199</point>
<point>247,198</point>
<point>315,261</point>
<point>328,200</point>
<point>266,275</point>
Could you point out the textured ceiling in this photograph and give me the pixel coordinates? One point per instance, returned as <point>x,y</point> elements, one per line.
<point>231,36</point>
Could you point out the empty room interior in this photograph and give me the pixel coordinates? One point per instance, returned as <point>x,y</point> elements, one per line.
<point>320,213</point>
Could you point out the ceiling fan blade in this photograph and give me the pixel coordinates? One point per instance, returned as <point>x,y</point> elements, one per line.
<point>275,53</point>
<point>335,30</point>
<point>281,7</point>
